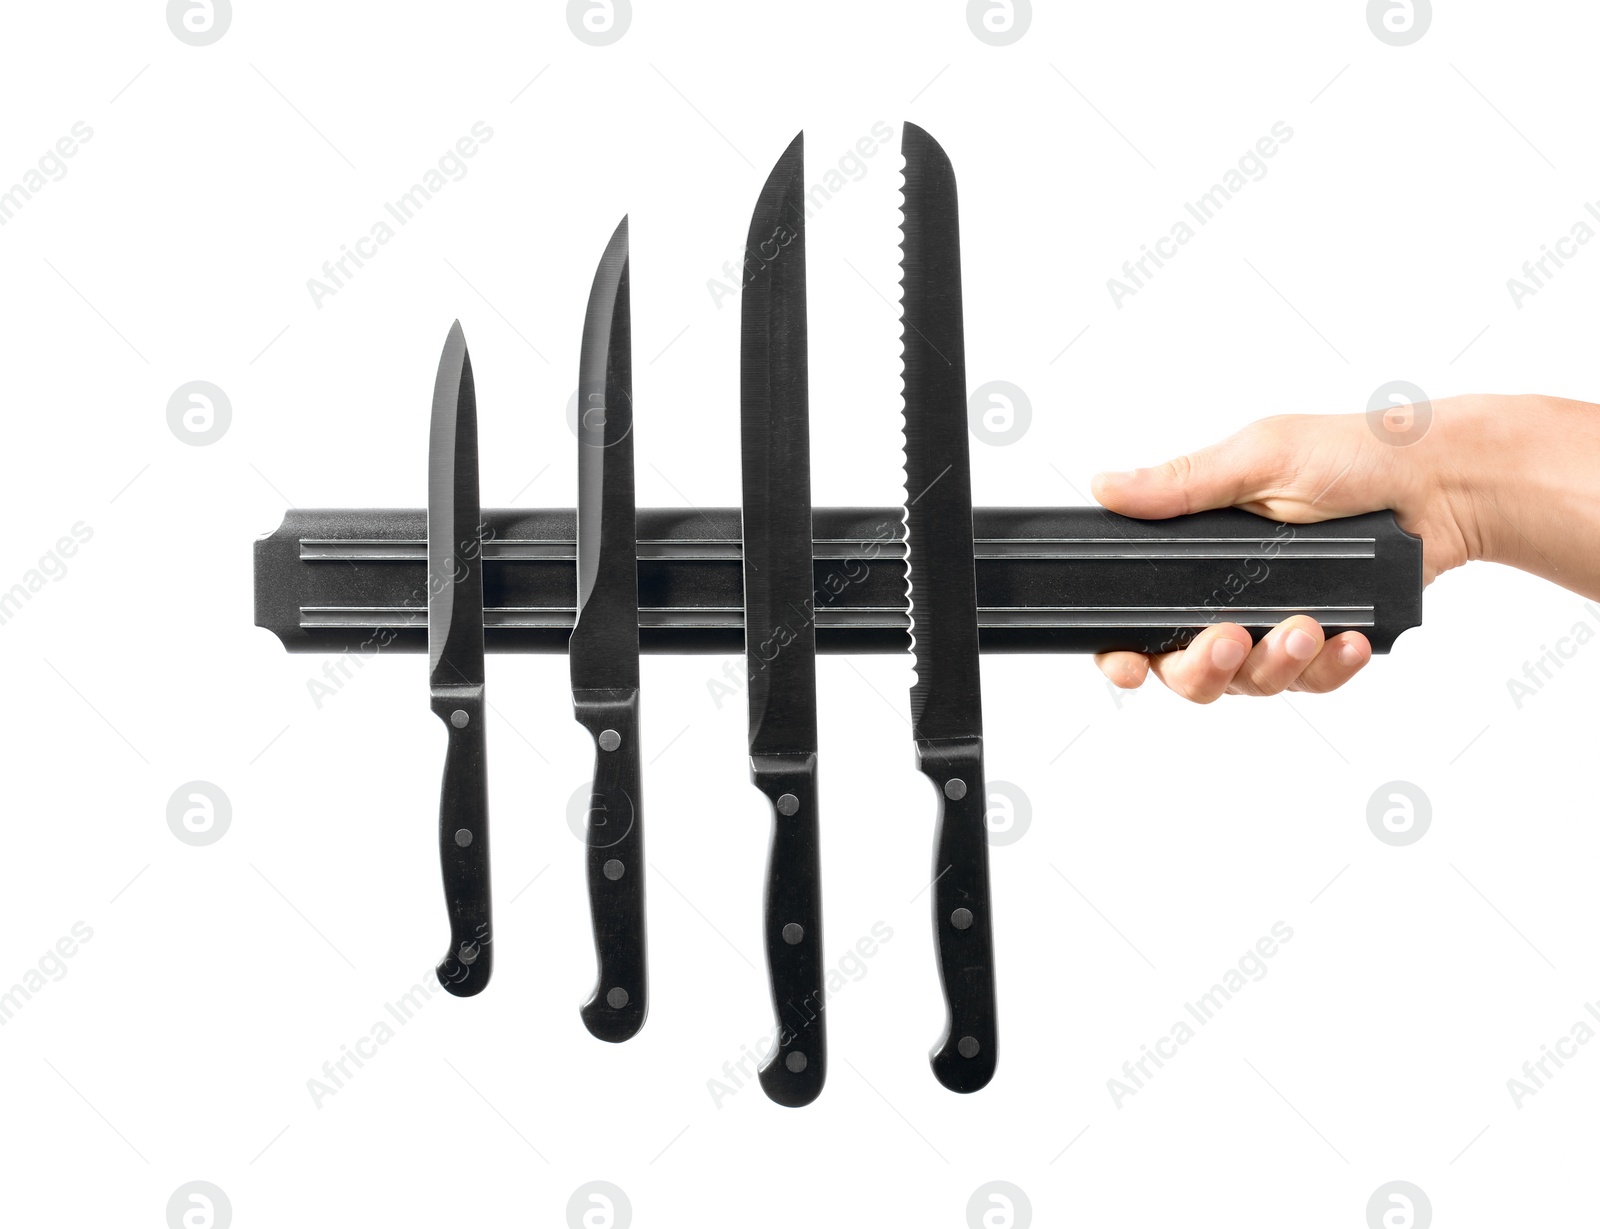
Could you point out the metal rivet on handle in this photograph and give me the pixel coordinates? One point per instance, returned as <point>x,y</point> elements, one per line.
<point>610,740</point>
<point>463,837</point>
<point>967,1047</point>
<point>955,789</point>
<point>796,1061</point>
<point>469,952</point>
<point>613,869</point>
<point>459,719</point>
<point>961,919</point>
<point>617,997</point>
<point>793,933</point>
<point>788,804</point>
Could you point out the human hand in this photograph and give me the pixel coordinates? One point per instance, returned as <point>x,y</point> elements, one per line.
<point>1511,479</point>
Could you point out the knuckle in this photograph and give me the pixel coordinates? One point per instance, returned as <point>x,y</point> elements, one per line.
<point>1177,471</point>
<point>1250,685</point>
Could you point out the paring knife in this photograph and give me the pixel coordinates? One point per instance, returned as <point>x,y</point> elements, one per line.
<point>779,621</point>
<point>946,705</point>
<point>455,667</point>
<point>604,651</point>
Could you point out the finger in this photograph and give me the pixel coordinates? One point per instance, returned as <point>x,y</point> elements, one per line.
<point>1203,671</point>
<point>1125,670</point>
<point>1296,468</point>
<point>1279,659</point>
<point>1340,661</point>
<point>1215,477</point>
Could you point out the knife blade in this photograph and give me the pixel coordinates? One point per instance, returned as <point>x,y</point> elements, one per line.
<point>780,631</point>
<point>604,652</point>
<point>455,667</point>
<point>946,704</point>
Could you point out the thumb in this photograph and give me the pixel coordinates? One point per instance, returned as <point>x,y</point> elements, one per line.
<point>1294,468</point>
<point>1220,476</point>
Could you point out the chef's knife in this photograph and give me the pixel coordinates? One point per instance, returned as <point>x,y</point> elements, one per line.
<point>604,651</point>
<point>455,667</point>
<point>946,706</point>
<point>779,621</point>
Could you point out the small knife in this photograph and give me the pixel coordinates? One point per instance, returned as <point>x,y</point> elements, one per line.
<point>455,667</point>
<point>946,705</point>
<point>779,621</point>
<point>604,651</point>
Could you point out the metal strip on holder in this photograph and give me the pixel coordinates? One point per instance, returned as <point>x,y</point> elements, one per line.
<point>1170,616</point>
<point>352,550</point>
<point>558,618</point>
<point>404,550</point>
<point>1170,548</point>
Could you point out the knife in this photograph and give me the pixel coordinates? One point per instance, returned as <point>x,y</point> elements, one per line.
<point>779,621</point>
<point>604,651</point>
<point>946,705</point>
<point>455,667</point>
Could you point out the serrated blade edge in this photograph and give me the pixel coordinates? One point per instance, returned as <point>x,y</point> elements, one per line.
<point>941,582</point>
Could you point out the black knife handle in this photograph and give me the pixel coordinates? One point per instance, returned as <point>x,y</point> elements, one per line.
<point>621,997</point>
<point>964,1056</point>
<point>797,1067</point>
<point>464,842</point>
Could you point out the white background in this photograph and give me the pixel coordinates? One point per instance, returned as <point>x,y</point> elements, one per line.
<point>179,1042</point>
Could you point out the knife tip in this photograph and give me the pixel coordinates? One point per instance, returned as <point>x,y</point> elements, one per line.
<point>616,253</point>
<point>913,136</point>
<point>781,204</point>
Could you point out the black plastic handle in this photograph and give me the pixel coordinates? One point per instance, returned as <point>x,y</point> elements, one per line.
<point>464,842</point>
<point>621,998</point>
<point>963,1058</point>
<point>794,1072</point>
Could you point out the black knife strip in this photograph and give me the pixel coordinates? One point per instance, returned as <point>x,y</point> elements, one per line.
<point>1049,580</point>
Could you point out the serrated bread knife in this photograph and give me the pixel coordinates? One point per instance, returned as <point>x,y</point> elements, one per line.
<point>946,705</point>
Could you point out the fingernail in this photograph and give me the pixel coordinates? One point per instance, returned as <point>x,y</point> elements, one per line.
<point>1349,654</point>
<point>1117,475</point>
<point>1300,645</point>
<point>1226,654</point>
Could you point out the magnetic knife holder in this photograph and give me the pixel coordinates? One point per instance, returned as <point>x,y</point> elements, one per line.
<point>1049,580</point>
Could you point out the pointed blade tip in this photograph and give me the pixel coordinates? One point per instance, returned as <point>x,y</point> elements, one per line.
<point>455,341</point>
<point>616,247</point>
<point>782,195</point>
<point>793,153</point>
